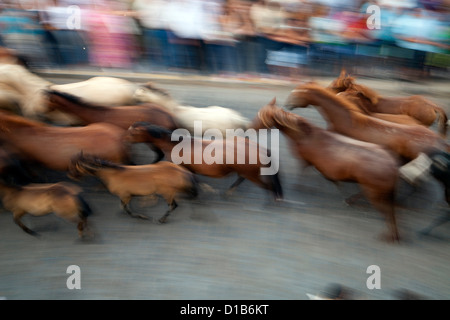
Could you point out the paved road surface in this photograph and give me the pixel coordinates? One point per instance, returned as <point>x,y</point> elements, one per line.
<point>242,247</point>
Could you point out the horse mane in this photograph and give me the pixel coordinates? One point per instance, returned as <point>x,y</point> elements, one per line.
<point>150,86</point>
<point>285,119</point>
<point>17,75</point>
<point>330,95</point>
<point>74,99</point>
<point>366,92</point>
<point>97,163</point>
<point>347,83</point>
<point>8,119</point>
<point>153,130</point>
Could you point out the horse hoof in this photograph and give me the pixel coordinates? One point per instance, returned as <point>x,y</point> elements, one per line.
<point>162,220</point>
<point>389,238</point>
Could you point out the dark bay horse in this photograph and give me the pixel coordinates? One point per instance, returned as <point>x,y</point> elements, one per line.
<point>164,178</point>
<point>228,162</point>
<point>344,117</point>
<point>54,147</point>
<point>339,158</point>
<point>418,107</point>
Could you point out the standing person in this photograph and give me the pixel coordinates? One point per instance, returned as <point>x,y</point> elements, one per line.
<point>20,30</point>
<point>65,24</point>
<point>238,22</point>
<point>111,34</point>
<point>185,19</point>
<point>152,19</point>
<point>218,39</point>
<point>421,32</point>
<point>268,17</point>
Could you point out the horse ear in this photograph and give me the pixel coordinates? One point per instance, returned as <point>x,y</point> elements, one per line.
<point>273,102</point>
<point>343,73</point>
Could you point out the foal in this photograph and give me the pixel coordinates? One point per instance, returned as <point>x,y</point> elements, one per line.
<point>163,178</point>
<point>63,199</point>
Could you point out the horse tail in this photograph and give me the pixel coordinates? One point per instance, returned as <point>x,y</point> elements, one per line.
<point>442,120</point>
<point>276,186</point>
<point>191,189</point>
<point>85,209</point>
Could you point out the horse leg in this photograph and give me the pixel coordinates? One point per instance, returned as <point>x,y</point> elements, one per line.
<point>273,185</point>
<point>440,220</point>
<point>383,201</point>
<point>235,184</point>
<point>81,226</point>
<point>125,201</point>
<point>172,206</point>
<point>353,198</point>
<point>159,153</point>
<point>16,216</point>
<point>349,200</point>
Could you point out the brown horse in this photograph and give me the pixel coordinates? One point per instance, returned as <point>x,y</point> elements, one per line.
<point>54,147</point>
<point>228,151</point>
<point>163,178</point>
<point>361,102</point>
<point>339,158</point>
<point>346,118</point>
<point>62,199</point>
<point>121,116</point>
<point>418,107</point>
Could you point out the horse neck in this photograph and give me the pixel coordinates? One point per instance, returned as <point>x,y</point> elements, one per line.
<point>21,80</point>
<point>6,190</point>
<point>166,145</point>
<point>84,112</point>
<point>294,130</point>
<point>334,110</point>
<point>166,102</point>
<point>9,126</point>
<point>99,172</point>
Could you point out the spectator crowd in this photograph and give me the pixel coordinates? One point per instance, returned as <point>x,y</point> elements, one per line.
<point>229,37</point>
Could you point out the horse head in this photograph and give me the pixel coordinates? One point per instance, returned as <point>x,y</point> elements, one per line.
<point>79,167</point>
<point>149,93</point>
<point>300,97</point>
<point>264,118</point>
<point>142,131</point>
<point>342,83</point>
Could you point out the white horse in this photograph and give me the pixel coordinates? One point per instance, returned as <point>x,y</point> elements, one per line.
<point>27,89</point>
<point>212,117</point>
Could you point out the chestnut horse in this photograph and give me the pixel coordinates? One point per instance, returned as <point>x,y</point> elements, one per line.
<point>339,158</point>
<point>121,116</point>
<point>345,118</point>
<point>54,147</point>
<point>418,107</point>
<point>361,102</point>
<point>219,168</point>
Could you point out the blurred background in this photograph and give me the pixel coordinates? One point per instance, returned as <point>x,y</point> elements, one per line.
<point>233,38</point>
